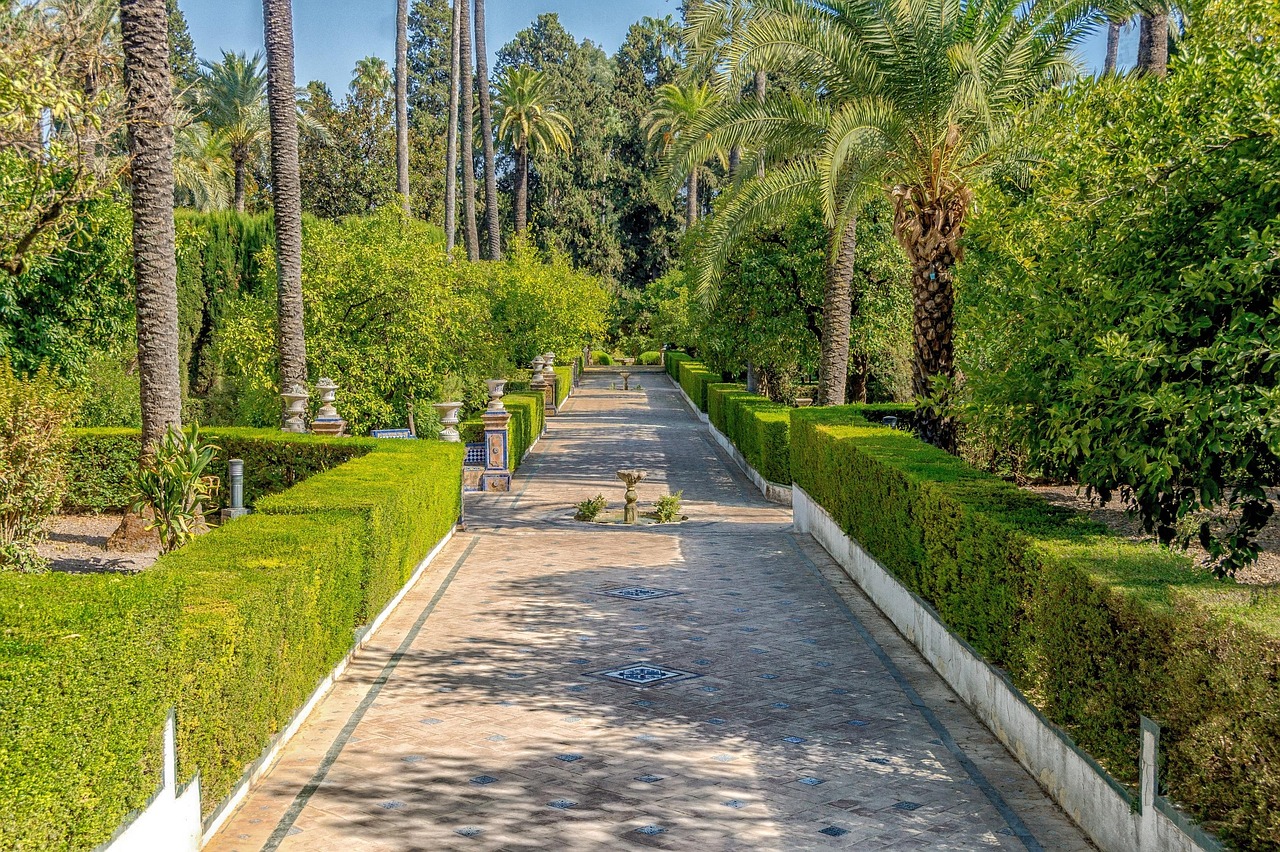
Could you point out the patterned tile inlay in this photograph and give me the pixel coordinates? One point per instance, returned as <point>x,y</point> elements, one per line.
<point>562,804</point>
<point>468,830</point>
<point>640,593</point>
<point>834,831</point>
<point>907,806</point>
<point>812,782</point>
<point>649,779</point>
<point>645,674</point>
<point>483,779</point>
<point>651,830</point>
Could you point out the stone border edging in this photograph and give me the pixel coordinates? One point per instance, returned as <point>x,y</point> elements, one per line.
<point>1108,813</point>
<point>773,492</point>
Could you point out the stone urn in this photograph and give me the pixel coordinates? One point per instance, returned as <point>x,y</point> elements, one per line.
<point>536,379</point>
<point>630,512</point>
<point>327,421</point>
<point>295,400</point>
<point>448,412</point>
<point>496,389</point>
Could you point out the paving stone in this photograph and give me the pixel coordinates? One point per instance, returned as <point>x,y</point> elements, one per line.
<point>529,712</point>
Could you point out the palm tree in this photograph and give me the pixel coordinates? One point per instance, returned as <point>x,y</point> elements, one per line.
<point>144,30</point>
<point>402,103</point>
<point>286,189</point>
<point>467,110</point>
<point>451,144</point>
<point>371,80</point>
<point>531,124</point>
<point>1153,39</point>
<point>922,95</point>
<point>678,109</point>
<point>202,169</point>
<point>1118,13</point>
<point>232,101</point>
<point>486,136</point>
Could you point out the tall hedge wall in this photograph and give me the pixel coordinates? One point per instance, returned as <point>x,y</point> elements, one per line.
<point>235,631</point>
<point>564,384</point>
<point>1095,629</point>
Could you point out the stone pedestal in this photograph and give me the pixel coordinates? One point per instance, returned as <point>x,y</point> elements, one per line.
<point>497,467</point>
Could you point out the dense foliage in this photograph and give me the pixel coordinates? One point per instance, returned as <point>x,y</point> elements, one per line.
<point>1123,304</point>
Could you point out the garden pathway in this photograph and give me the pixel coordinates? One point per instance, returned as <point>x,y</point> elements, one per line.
<point>483,716</point>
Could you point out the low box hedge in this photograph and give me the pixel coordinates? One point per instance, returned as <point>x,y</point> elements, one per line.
<point>757,426</point>
<point>694,379</point>
<point>564,384</point>
<point>1094,629</point>
<point>235,631</point>
<point>101,463</point>
<point>674,360</point>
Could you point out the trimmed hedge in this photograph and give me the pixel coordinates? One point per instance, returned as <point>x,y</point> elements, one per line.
<point>528,422</point>
<point>694,378</point>
<point>564,384</point>
<point>674,360</point>
<point>101,463</point>
<point>649,359</point>
<point>757,426</point>
<point>1094,629</point>
<point>235,631</point>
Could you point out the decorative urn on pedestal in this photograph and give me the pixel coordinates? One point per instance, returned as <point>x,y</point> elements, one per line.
<point>448,412</point>
<point>496,389</point>
<point>327,421</point>
<point>630,512</point>
<point>295,399</point>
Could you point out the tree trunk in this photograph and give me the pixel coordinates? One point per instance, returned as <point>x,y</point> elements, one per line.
<point>1144,44</point>
<point>930,237</point>
<point>1113,47</point>
<point>522,187</point>
<point>1158,63</point>
<point>761,84</point>
<point>402,104</point>
<point>238,158</point>
<point>144,31</point>
<point>467,115</point>
<point>492,225</point>
<point>837,314</point>
<point>451,144</point>
<point>286,189</point>
<point>859,373</point>
<point>691,207</point>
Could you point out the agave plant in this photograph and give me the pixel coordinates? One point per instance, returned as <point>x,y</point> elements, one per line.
<point>172,488</point>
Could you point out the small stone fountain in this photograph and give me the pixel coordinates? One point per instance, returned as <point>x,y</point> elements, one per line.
<point>630,512</point>
<point>626,380</point>
<point>295,398</point>
<point>448,412</point>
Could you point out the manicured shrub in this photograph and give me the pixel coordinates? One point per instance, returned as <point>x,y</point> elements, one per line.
<point>1095,629</point>
<point>717,395</point>
<point>601,359</point>
<point>564,384</point>
<point>674,360</point>
<point>101,462</point>
<point>694,379</point>
<point>649,359</point>
<point>235,631</point>
<point>528,421</point>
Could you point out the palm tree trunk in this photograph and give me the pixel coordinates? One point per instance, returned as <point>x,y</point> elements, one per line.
<point>467,114</point>
<point>691,206</point>
<point>1113,47</point>
<point>522,187</point>
<point>492,224</point>
<point>286,189</point>
<point>451,144</point>
<point>238,158</point>
<point>1159,55</point>
<point>402,103</point>
<point>761,83</point>
<point>1144,44</point>
<point>837,319</point>
<point>930,237</point>
<point>149,103</point>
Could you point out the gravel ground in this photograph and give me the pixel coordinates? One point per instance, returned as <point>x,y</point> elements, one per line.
<point>1266,571</point>
<point>77,544</point>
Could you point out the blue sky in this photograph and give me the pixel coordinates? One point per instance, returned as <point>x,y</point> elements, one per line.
<point>330,35</point>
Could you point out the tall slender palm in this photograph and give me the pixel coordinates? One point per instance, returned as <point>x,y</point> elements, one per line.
<point>922,96</point>
<point>677,110</point>
<point>402,103</point>
<point>1153,39</point>
<point>451,144</point>
<point>531,124</point>
<point>1117,13</point>
<point>467,110</point>
<point>286,189</point>
<point>144,31</point>
<point>232,100</point>
<point>486,137</point>
<point>371,79</point>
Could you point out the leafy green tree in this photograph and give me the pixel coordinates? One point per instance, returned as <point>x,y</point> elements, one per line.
<point>529,121</point>
<point>182,51</point>
<point>232,100</point>
<point>1122,309</point>
<point>429,24</point>
<point>921,97</point>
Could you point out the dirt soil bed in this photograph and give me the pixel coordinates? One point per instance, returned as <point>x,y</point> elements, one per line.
<point>77,544</point>
<point>1265,571</point>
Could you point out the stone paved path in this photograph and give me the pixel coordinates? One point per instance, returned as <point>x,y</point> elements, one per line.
<point>789,715</point>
